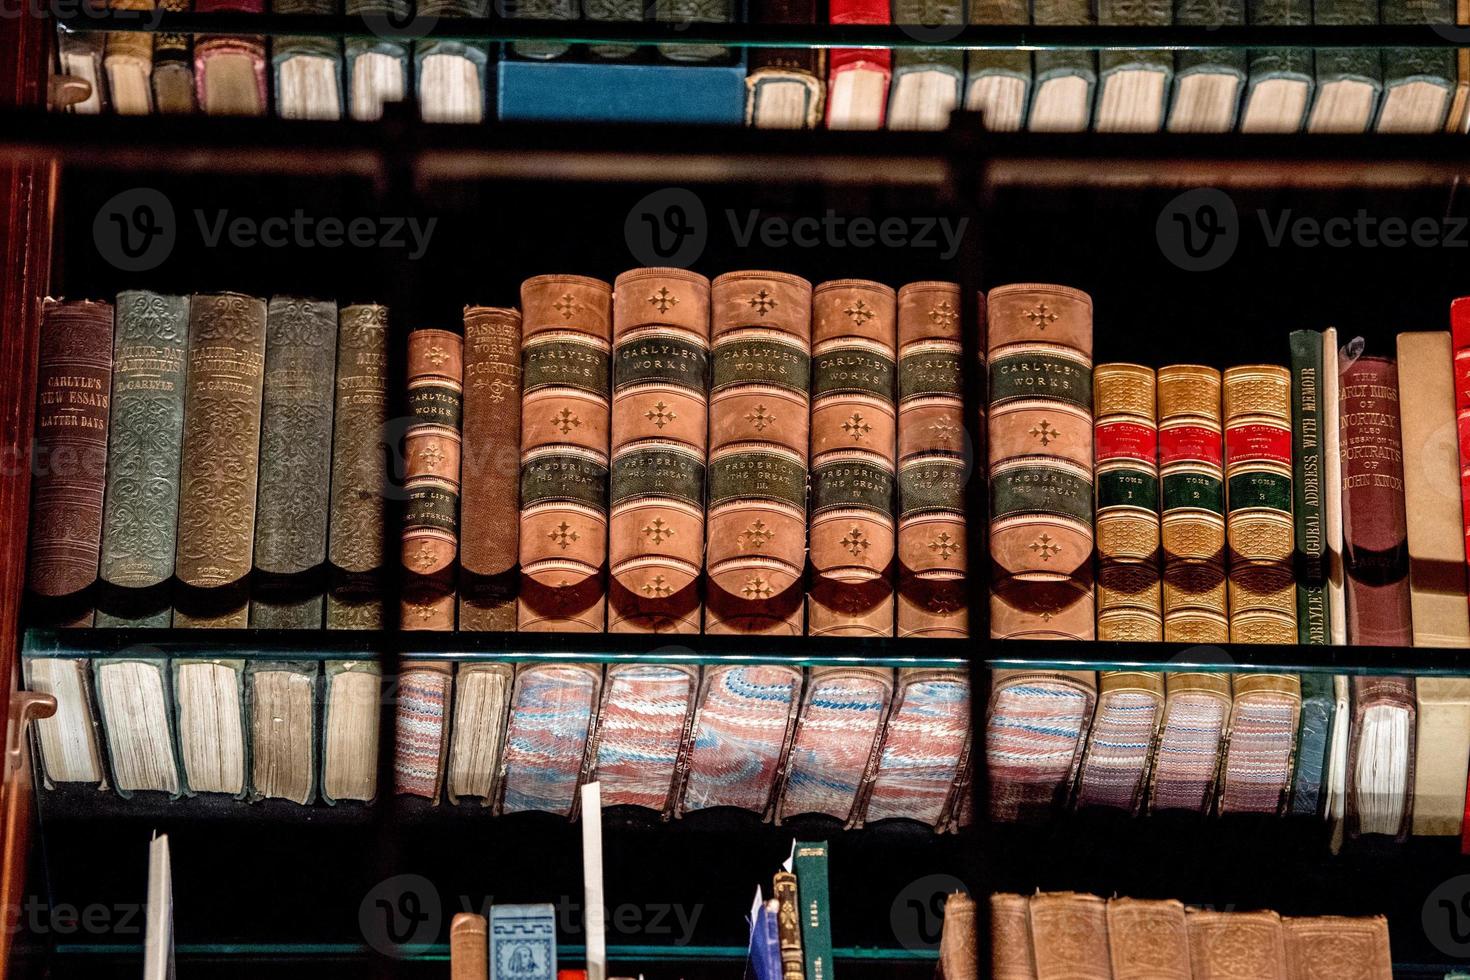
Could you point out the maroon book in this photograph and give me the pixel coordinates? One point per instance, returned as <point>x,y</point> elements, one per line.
<point>230,71</point>
<point>1374,525</point>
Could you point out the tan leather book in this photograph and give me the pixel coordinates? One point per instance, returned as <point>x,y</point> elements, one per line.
<point>660,370</point>
<point>759,420</point>
<point>1437,586</point>
<point>1236,945</point>
<point>788,925</point>
<point>431,449</point>
<point>1126,481</point>
<point>566,333</point>
<point>469,947</point>
<point>1332,947</point>
<point>1069,936</point>
<point>1040,449</point>
<point>1196,720</point>
<point>489,507</point>
<point>1192,504</point>
<point>853,445</point>
<point>1260,748</point>
<point>1011,956</point>
<point>1036,729</point>
<point>932,561</point>
<point>1441,753</point>
<point>1148,940</point>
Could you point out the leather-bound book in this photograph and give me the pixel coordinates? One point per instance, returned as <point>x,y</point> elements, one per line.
<point>1375,526</point>
<point>74,385</point>
<point>660,371</point>
<point>469,947</point>
<point>1036,729</point>
<point>1069,936</point>
<point>1437,585</point>
<point>80,54</point>
<point>1442,745</point>
<point>1066,80</point>
<point>352,694</point>
<point>355,547</point>
<point>1418,83</point>
<point>1148,940</point>
<point>1259,528</point>
<point>1256,771</point>
<point>450,74</point>
<point>553,713</point>
<point>307,71</point>
<point>1130,708</point>
<point>1280,83</point>
<point>854,423</point>
<point>295,474</point>
<point>431,450</point>
<point>928,82</point>
<point>173,66</point>
<point>539,10</point>
<point>376,69</point>
<point>1332,487</point>
<point>1308,783</point>
<point>1196,713</point>
<point>230,71</point>
<point>140,519</point>
<point>645,720</point>
<point>922,767</point>
<point>1041,543</point>
<point>838,738</point>
<point>1126,435</point>
<point>489,512</point>
<point>788,926</point>
<point>566,341</point>
<point>219,473</point>
<point>998,83</point>
<point>481,705</point>
<point>1208,82</point>
<point>280,706</point>
<point>421,735</point>
<point>1380,790</point>
<point>1312,614</point>
<point>1236,945</point>
<point>689,12</point>
<point>1334,947</point>
<point>785,86</point>
<point>758,426</point>
<point>932,560</point>
<point>742,730</point>
<point>858,78</point>
<point>1133,86</point>
<point>128,60</point>
<point>1011,956</point>
<point>1192,480</point>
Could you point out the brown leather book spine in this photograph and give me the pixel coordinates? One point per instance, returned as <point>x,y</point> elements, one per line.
<point>1375,526</point>
<point>1126,479</point>
<point>565,346</point>
<point>1069,935</point>
<point>1192,504</point>
<point>1148,940</point>
<point>759,423</point>
<point>1235,945</point>
<point>219,474</point>
<point>853,459</point>
<point>74,392</point>
<point>355,534</point>
<point>1337,946</point>
<point>931,463</point>
<point>469,947</point>
<point>788,926</point>
<point>489,510</point>
<point>660,372</point>
<point>1390,810</point>
<point>1011,956</point>
<point>431,450</point>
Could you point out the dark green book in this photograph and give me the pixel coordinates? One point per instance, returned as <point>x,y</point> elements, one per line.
<point>686,13</point>
<point>998,83</point>
<point>1133,86</point>
<point>809,861</point>
<point>1281,79</point>
<point>1418,83</point>
<point>1314,737</point>
<point>1307,488</point>
<point>1348,79</point>
<point>1066,80</point>
<point>926,81</point>
<point>1208,82</point>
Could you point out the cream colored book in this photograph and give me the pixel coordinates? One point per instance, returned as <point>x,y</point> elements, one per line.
<point>1443,751</point>
<point>1332,482</point>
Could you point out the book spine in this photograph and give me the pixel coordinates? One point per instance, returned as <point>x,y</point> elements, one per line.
<point>841,60</point>
<point>932,560</point>
<point>1460,338</point>
<point>214,96</point>
<point>1192,479</point>
<point>613,10</point>
<point>853,429</point>
<point>759,421</point>
<point>1040,422</point>
<point>129,55</point>
<point>981,65</point>
<point>1134,13</point>
<point>221,454</point>
<point>1375,526</point>
<point>687,12</point>
<point>173,61</point>
<point>1380,790</point>
<point>933,15</point>
<point>431,450</point>
<point>787,66</point>
<point>291,94</point>
<point>788,926</point>
<point>469,947</point>
<point>355,547</point>
<point>1338,64</point>
<point>1267,64</point>
<point>1126,436</point>
<point>565,410</point>
<point>140,519</point>
<point>1331,410</point>
<point>1318,706</point>
<point>421,736</point>
<point>1072,63</point>
<point>1311,544</point>
<point>295,470</point>
<point>660,372</point>
<point>1258,489</point>
<point>814,908</point>
<point>489,507</point>
<point>1210,13</point>
<point>1430,66</point>
<point>538,10</point>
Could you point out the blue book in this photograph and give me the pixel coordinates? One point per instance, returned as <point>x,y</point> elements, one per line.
<point>1319,704</point>
<point>611,92</point>
<point>763,961</point>
<point>523,942</point>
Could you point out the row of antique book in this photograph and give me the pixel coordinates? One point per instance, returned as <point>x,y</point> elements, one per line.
<point>1370,755</point>
<point>1202,90</point>
<point>559,463</point>
<point>859,744</point>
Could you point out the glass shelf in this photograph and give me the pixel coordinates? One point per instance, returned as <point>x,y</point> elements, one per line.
<point>1225,658</point>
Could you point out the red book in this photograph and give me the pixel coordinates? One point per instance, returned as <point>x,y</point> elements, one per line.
<point>229,71</point>
<point>857,85</point>
<point>1460,334</point>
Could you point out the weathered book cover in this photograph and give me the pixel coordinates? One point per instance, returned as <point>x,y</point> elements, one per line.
<point>932,560</point>
<point>1126,435</point>
<point>660,372</point>
<point>1346,74</point>
<point>355,546</point>
<point>352,696</point>
<point>1196,716</point>
<point>1192,478</point>
<point>1066,80</point>
<point>1133,86</point>
<point>928,81</point>
<point>307,71</point>
<point>173,66</point>
<point>646,715</point>
<point>1208,81</point>
<point>128,60</point>
<point>140,518</point>
<point>431,450</point>
<point>421,720</point>
<point>1230,945</point>
<point>1069,935</point>
<point>837,741</point>
<point>1375,526</point>
<point>690,12</point>
<point>1256,771</point>
<point>1036,729</point>
<point>1442,746</point>
<point>489,509</point>
<point>539,10</point>
<point>217,487</point>
<point>230,71</point>
<point>469,947</point>
<point>1281,79</point>
<point>1332,945</point>
<point>553,713</point>
<point>481,705</point>
<point>213,730</point>
<point>1310,561</point>
<point>742,731</point>
<point>281,707</point>
<point>1148,940</point>
<point>1258,490</point>
<point>1011,956</point>
<point>759,421</point>
<point>853,429</point>
<point>998,83</point>
<point>788,925</point>
<point>1041,541</point>
<point>295,473</point>
<point>1381,754</point>
<point>1319,705</point>
<point>1418,83</point>
<point>1120,746</point>
<point>565,409</point>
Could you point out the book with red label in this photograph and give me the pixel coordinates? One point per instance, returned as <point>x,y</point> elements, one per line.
<point>1126,482</point>
<point>857,81</point>
<point>1192,504</point>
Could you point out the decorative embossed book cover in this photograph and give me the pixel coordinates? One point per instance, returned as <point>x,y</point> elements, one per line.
<point>1126,481</point>
<point>1069,936</point>
<point>1192,520</point>
<point>742,730</point>
<point>1148,940</point>
<point>1334,947</point>
<point>432,445</point>
<point>1236,945</point>
<point>1011,953</point>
